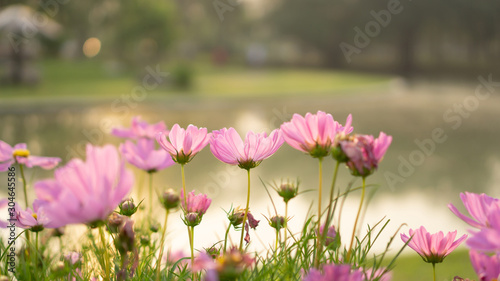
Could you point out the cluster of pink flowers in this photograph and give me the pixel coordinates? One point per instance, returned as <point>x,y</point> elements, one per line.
<point>484,242</point>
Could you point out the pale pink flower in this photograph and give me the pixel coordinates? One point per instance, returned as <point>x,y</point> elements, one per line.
<point>228,147</point>
<point>478,206</point>
<point>364,152</point>
<point>182,144</point>
<point>487,239</point>
<point>86,192</point>
<point>433,248</point>
<point>315,133</point>
<point>139,129</point>
<point>487,267</point>
<point>197,206</point>
<point>35,219</point>
<point>337,272</point>
<point>144,156</point>
<point>9,155</point>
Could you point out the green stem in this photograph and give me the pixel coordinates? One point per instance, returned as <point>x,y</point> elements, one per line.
<point>192,250</point>
<point>185,207</point>
<point>162,241</point>
<point>246,212</point>
<point>434,270</point>
<point>150,194</point>
<point>24,185</point>
<point>225,237</point>
<point>106,255</point>
<point>357,217</point>
<point>276,251</point>
<point>320,187</point>
<point>25,195</point>
<point>332,189</point>
<point>36,253</point>
<point>286,227</point>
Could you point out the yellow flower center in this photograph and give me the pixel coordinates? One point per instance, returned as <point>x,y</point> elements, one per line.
<point>35,216</point>
<point>21,153</point>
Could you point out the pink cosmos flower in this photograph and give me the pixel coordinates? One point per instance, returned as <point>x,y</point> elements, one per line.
<point>140,129</point>
<point>487,267</point>
<point>34,219</point>
<point>86,192</point>
<point>182,144</point>
<point>477,205</point>
<point>197,206</point>
<point>335,272</point>
<point>433,248</point>
<point>364,152</point>
<point>227,146</point>
<point>379,273</point>
<point>3,203</point>
<point>144,156</point>
<point>9,155</point>
<point>315,134</point>
<point>487,238</point>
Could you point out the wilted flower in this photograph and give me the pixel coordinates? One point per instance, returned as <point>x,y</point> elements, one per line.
<point>335,272</point>
<point>170,199</point>
<point>315,134</point>
<point>277,222</point>
<point>433,248</point>
<point>182,144</point>
<point>144,156</point>
<point>487,267</point>
<point>196,207</point>
<point>140,129</point>
<point>86,192</point>
<point>365,152</point>
<point>20,154</point>
<point>478,206</point>
<point>125,241</point>
<point>227,146</point>
<point>34,219</point>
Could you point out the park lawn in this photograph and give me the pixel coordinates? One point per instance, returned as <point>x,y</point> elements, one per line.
<point>95,79</point>
<point>411,267</point>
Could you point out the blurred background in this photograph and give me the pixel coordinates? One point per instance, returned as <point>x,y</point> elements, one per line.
<point>425,72</point>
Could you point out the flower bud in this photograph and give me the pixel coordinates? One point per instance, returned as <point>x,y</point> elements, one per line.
<point>127,207</point>
<point>114,222</point>
<point>170,199</point>
<point>288,190</point>
<point>154,227</point>
<point>236,217</point>
<point>277,222</point>
<point>145,240</point>
<point>339,155</point>
<point>58,232</point>
<point>192,219</point>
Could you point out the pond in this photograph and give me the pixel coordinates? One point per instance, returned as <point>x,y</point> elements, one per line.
<point>445,141</point>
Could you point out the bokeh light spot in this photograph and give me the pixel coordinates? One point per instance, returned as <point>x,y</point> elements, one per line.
<point>91,47</point>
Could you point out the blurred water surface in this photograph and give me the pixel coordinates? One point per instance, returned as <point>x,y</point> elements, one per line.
<point>415,183</point>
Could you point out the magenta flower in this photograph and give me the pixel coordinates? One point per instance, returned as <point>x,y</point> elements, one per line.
<point>144,156</point>
<point>197,206</point>
<point>488,238</point>
<point>227,146</point>
<point>182,144</point>
<point>315,134</point>
<point>139,129</point>
<point>477,205</point>
<point>433,248</point>
<point>335,272</point>
<point>331,233</point>
<point>487,267</point>
<point>364,153</point>
<point>34,219</point>
<point>86,192</point>
<point>9,155</point>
